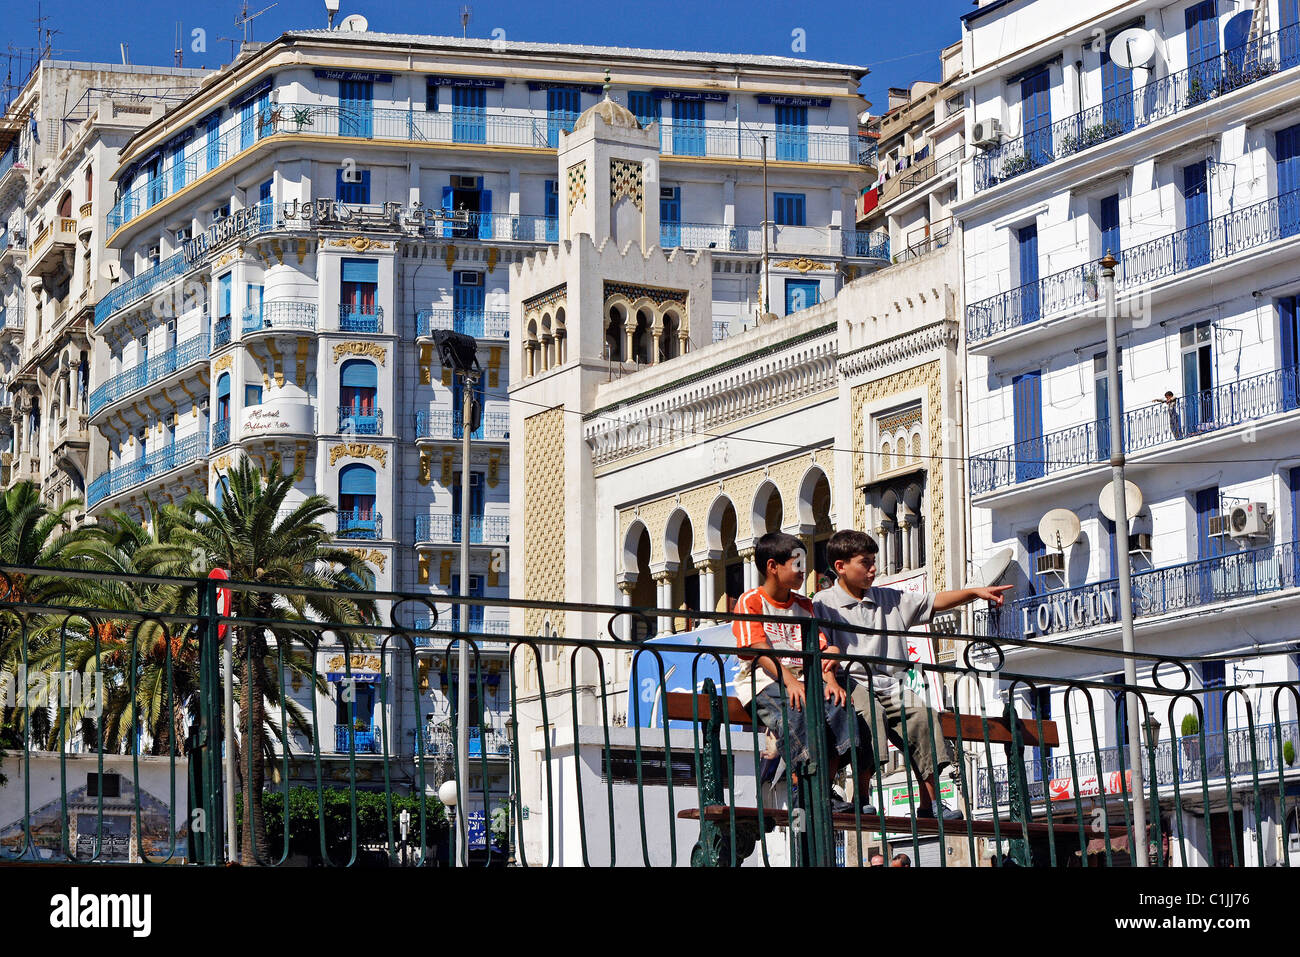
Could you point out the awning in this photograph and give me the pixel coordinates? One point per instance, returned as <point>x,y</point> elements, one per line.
<point>257,89</point>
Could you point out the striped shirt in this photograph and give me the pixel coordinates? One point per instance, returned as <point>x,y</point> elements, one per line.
<point>780,635</point>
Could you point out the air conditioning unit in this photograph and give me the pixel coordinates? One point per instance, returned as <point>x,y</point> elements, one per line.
<point>1051,562</point>
<point>349,173</point>
<point>987,134</point>
<point>1140,542</point>
<point>1218,525</point>
<point>667,192</point>
<point>1249,520</point>
<point>469,279</point>
<point>464,182</point>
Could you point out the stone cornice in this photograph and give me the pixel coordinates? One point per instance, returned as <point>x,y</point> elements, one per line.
<point>936,337</point>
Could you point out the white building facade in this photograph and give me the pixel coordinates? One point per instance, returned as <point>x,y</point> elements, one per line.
<point>1184,167</point>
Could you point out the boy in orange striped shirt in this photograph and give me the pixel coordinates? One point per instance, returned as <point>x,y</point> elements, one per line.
<point>780,560</point>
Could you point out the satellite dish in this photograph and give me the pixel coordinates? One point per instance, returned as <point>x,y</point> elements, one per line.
<point>1132,48</point>
<point>991,572</point>
<point>1132,500</point>
<point>1059,528</point>
<point>111,271</point>
<point>355,22</point>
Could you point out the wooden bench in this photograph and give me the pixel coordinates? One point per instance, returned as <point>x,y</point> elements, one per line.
<point>717,816</point>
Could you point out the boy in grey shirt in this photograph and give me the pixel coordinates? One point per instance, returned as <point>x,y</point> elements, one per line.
<point>889,613</point>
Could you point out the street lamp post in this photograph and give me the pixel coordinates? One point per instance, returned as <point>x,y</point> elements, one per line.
<point>460,353</point>
<point>1116,432</point>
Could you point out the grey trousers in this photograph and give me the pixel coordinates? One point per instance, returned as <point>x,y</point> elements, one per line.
<point>883,714</point>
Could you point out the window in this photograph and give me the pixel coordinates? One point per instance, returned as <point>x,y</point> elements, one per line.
<point>1036,116</point>
<point>90,183</point>
<point>1288,328</point>
<point>1027,248</point>
<point>670,216</point>
<point>221,212</point>
<point>358,310</point>
<point>644,106</point>
<point>1193,246</point>
<point>214,150</point>
<point>254,117</point>
<point>1207,508</point>
<point>154,182</point>
<point>252,395</point>
<point>551,210</point>
<point>359,712</point>
<point>1197,343</point>
<point>1041,709</point>
<point>1028,452</point>
<point>223,398</point>
<point>1101,393</point>
<point>1117,96</point>
<point>223,296</point>
<point>356,108</point>
<point>265,205</point>
<point>1288,179</point>
<point>358,389</point>
<point>562,109</point>
<point>899,504</point>
<point>178,169</point>
<point>1034,550</point>
<point>1213,681</point>
<point>792,133</point>
<point>253,307</point>
<point>801,294</point>
<point>467,302</point>
<point>1289,34</point>
<point>1108,226</point>
<point>1202,23</point>
<point>357,514</point>
<point>469,115</point>
<point>65,204</point>
<point>472,205</point>
<point>352,186</point>
<point>688,128</point>
<point>789,209</point>
<point>475,588</point>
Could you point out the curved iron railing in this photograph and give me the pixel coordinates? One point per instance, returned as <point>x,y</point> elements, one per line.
<point>153,464</point>
<point>153,369</point>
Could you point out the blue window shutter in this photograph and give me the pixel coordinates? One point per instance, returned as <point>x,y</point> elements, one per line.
<point>219,493</point>
<point>1288,177</point>
<point>1027,422</point>
<point>340,187</point>
<point>1027,241</point>
<point>1116,94</point>
<point>1036,116</point>
<point>1035,549</point>
<point>363,188</point>
<point>448,207</point>
<point>223,386</point>
<point>357,480</point>
<point>223,294</point>
<point>485,213</point>
<point>1108,223</point>
<point>1207,507</point>
<point>361,270</point>
<point>359,374</point>
<point>1295,507</point>
<point>1213,676</point>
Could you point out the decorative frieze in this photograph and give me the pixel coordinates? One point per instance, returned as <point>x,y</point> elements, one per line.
<point>358,450</point>
<point>372,350</point>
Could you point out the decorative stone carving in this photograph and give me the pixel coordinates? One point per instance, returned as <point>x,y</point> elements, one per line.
<point>803,264</point>
<point>544,516</point>
<point>359,244</point>
<point>626,179</point>
<point>372,349</point>
<point>222,364</point>
<point>577,177</point>
<point>372,555</point>
<point>358,450</point>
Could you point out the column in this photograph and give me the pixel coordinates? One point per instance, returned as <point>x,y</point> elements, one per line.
<point>708,569</point>
<point>810,573</point>
<point>654,349</point>
<point>882,533</point>
<point>664,593</point>
<point>625,588</point>
<point>751,573</point>
<point>907,541</point>
<point>629,330</point>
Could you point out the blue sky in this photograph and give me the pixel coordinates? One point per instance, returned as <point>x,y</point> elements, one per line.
<point>899,42</point>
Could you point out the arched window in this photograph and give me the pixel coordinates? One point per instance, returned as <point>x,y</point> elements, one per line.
<point>223,398</point>
<point>358,387</point>
<point>90,183</point>
<point>219,492</point>
<point>357,515</point>
<point>65,204</point>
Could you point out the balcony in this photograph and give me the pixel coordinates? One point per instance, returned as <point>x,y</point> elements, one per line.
<point>365,740</point>
<point>489,742</point>
<point>152,370</point>
<point>483,529</point>
<point>919,174</point>
<point>138,287</point>
<point>1185,761</point>
<point>479,323</point>
<point>59,236</point>
<point>280,315</point>
<point>1237,68</point>
<point>477,626</point>
<point>85,221</point>
<point>784,144</point>
<point>1209,581</point>
<point>220,333</point>
<point>446,424</point>
<point>1145,428</point>
<point>501,227</point>
<point>221,433</point>
<point>169,182</point>
<point>823,240</point>
<point>355,421</point>
<point>13,318</point>
<point>1181,252</point>
<point>156,463</point>
<point>360,523</point>
<point>361,318</point>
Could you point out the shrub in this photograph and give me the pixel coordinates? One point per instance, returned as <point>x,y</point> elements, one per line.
<point>1288,752</point>
<point>1190,726</point>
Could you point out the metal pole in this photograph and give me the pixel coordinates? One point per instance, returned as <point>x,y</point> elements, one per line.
<point>228,691</point>
<point>767,279</point>
<point>1116,433</point>
<point>468,380</point>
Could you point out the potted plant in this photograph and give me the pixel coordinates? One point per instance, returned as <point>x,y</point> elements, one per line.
<point>1288,753</point>
<point>1191,729</point>
<point>1015,165</point>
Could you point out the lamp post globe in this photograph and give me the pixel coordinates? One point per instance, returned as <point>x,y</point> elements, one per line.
<point>447,793</point>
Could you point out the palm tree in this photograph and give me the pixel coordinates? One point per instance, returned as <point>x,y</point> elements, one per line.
<point>31,534</point>
<point>256,541</point>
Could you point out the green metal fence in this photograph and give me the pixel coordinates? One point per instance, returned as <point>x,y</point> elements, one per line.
<point>609,748</point>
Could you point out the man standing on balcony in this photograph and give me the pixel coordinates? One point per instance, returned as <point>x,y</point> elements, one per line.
<point>1175,427</point>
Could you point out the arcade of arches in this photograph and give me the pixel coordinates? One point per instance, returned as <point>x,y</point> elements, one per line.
<point>695,550</point>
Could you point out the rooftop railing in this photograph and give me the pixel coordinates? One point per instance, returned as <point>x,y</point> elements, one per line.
<point>1157,99</point>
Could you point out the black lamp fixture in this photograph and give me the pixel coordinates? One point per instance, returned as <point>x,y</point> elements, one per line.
<point>459,353</point>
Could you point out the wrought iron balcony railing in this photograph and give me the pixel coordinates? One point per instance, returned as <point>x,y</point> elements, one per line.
<point>483,529</point>
<point>1146,427</point>
<point>781,239</point>
<point>479,323</point>
<point>360,523</point>
<point>137,287</point>
<point>220,433</point>
<point>220,332</point>
<point>153,369</point>
<point>1208,581</point>
<point>1155,100</point>
<point>447,424</point>
<point>153,464</point>
<point>358,421</point>
<point>1182,251</point>
<point>353,318</point>
<point>364,740</point>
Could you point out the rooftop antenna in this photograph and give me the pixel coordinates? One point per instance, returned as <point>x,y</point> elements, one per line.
<point>244,18</point>
<point>465,13</point>
<point>232,41</point>
<point>177,56</point>
<point>126,53</point>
